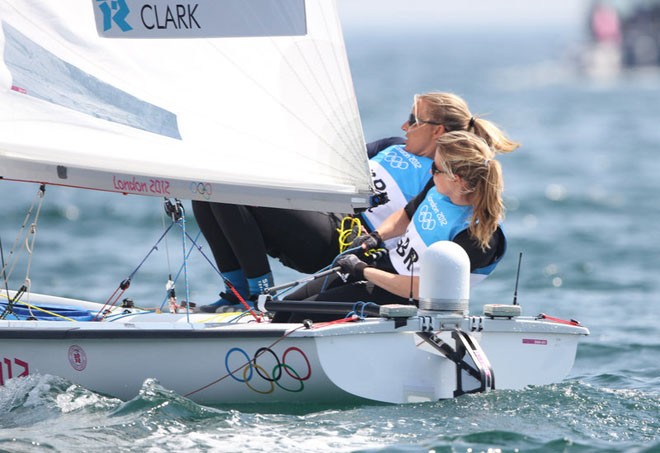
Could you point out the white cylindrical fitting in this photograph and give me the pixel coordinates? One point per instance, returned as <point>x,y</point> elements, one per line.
<point>444,282</point>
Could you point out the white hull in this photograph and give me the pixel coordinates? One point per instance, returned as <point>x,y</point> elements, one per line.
<point>211,362</point>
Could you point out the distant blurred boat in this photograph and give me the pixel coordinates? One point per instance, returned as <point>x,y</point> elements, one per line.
<point>624,35</point>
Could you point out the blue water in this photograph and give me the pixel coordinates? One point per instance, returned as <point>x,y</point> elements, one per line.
<point>582,209</point>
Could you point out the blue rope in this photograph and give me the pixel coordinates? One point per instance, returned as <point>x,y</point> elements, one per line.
<point>347,251</point>
<point>360,306</point>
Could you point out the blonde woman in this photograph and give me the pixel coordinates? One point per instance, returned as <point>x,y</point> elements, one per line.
<point>463,204</point>
<point>242,237</point>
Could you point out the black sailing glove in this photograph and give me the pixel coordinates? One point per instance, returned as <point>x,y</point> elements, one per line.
<point>368,241</point>
<point>352,265</point>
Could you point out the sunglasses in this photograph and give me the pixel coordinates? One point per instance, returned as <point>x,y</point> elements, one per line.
<point>412,120</point>
<point>435,170</point>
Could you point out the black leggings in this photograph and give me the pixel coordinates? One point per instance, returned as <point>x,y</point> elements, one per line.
<point>243,236</point>
<point>334,289</point>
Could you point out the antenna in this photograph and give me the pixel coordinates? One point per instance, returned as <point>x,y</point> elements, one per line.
<point>515,291</point>
<point>410,298</point>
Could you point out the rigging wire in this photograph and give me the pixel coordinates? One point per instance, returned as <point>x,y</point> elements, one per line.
<point>29,241</point>
<point>26,239</point>
<point>257,317</point>
<point>176,276</point>
<point>185,259</point>
<point>177,215</point>
<point>8,308</point>
<point>11,257</point>
<point>27,236</point>
<point>126,283</point>
<point>167,247</point>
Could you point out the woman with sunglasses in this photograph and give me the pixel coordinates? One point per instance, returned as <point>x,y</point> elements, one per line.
<point>463,204</point>
<point>242,237</point>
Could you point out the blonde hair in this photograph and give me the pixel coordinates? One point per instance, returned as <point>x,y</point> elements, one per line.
<point>466,155</point>
<point>453,113</point>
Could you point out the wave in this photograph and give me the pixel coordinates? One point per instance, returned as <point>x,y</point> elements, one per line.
<point>58,416</point>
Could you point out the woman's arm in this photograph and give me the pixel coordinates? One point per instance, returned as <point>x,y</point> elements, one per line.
<point>394,283</point>
<point>394,226</point>
<point>377,146</point>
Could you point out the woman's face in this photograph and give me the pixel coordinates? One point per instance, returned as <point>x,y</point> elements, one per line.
<point>421,136</point>
<point>441,179</point>
<point>451,186</point>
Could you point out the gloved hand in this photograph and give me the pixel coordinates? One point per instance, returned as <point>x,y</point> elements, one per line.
<point>368,241</point>
<point>352,265</point>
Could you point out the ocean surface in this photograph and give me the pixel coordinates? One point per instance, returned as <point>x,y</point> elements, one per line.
<point>583,210</point>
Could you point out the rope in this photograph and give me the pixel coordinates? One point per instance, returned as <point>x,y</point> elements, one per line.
<point>349,228</point>
<point>362,306</point>
<point>182,225</point>
<point>346,252</point>
<point>349,318</point>
<point>226,281</point>
<point>123,286</point>
<point>38,197</point>
<point>29,241</point>
<point>6,284</point>
<point>31,307</point>
<point>178,274</point>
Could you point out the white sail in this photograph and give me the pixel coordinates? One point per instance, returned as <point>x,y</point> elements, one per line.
<point>242,101</point>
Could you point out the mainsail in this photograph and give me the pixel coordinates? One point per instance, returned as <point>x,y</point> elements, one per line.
<point>240,101</point>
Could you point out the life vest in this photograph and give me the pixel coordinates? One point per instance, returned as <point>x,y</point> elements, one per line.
<point>435,219</point>
<point>399,173</point>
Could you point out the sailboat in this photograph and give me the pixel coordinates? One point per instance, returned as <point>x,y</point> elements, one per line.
<point>246,102</point>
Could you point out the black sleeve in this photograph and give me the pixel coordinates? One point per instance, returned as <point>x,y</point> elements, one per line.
<point>377,146</point>
<point>478,257</point>
<point>413,204</point>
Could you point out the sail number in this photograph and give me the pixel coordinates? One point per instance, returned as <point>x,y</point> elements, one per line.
<point>9,369</point>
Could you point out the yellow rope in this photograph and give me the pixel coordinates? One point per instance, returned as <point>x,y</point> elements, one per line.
<point>221,317</point>
<point>349,229</point>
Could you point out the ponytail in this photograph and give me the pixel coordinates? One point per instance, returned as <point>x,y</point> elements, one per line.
<point>466,155</point>
<point>453,113</point>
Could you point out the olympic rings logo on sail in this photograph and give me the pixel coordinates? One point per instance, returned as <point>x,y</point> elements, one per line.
<point>283,374</point>
<point>202,188</point>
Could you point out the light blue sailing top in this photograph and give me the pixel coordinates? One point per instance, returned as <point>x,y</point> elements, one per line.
<point>435,219</point>
<point>399,173</point>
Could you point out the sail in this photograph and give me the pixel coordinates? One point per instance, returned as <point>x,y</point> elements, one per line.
<point>239,101</point>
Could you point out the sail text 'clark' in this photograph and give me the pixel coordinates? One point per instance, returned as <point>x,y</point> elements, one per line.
<point>134,185</point>
<point>178,17</point>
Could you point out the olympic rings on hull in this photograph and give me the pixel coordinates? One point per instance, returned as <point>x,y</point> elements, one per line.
<point>282,375</point>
